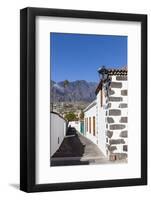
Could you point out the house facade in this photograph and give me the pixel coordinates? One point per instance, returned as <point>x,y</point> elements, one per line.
<point>78,125</point>
<point>108,116</point>
<point>90,122</point>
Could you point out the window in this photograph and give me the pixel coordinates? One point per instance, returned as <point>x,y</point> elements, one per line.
<point>94,125</point>
<point>89,124</point>
<point>85,125</point>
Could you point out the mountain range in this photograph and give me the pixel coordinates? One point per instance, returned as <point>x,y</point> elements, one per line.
<point>75,91</point>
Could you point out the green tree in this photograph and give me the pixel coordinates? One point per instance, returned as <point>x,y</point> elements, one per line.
<point>82,115</point>
<point>70,116</point>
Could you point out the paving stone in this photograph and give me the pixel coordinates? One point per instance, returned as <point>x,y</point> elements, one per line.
<point>123,120</point>
<point>117,156</point>
<point>112,148</point>
<point>123,105</point>
<point>115,99</point>
<point>125,147</point>
<point>124,92</point>
<point>121,78</point>
<point>111,92</point>
<point>117,141</point>
<point>120,156</point>
<point>117,126</point>
<point>109,105</point>
<point>110,120</point>
<point>114,112</point>
<point>112,157</point>
<point>116,85</point>
<point>109,133</point>
<point>124,134</point>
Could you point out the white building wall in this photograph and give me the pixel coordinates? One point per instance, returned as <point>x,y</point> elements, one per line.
<point>58,131</point>
<point>116,136</point>
<point>101,126</point>
<point>90,113</point>
<point>75,124</point>
<point>111,116</point>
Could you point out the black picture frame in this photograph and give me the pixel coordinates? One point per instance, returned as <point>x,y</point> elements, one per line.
<point>28,99</point>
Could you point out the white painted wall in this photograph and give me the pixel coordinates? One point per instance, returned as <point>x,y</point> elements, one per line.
<point>75,124</point>
<point>58,131</point>
<point>124,113</point>
<point>90,113</point>
<point>101,124</point>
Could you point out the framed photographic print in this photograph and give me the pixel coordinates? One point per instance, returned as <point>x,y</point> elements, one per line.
<point>83,99</point>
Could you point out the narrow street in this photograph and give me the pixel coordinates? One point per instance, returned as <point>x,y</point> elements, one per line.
<point>77,150</point>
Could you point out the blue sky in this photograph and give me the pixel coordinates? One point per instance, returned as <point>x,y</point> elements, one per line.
<point>78,56</point>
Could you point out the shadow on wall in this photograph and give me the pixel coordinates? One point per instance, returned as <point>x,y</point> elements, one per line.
<point>70,151</point>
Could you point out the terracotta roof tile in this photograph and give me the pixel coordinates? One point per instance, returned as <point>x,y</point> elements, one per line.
<point>111,71</point>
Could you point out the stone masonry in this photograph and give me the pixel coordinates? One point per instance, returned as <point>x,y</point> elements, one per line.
<point>115,89</point>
